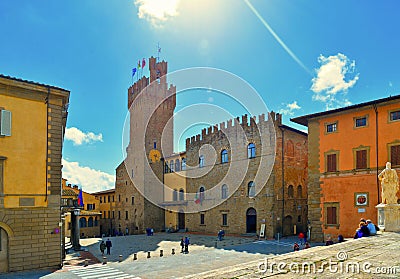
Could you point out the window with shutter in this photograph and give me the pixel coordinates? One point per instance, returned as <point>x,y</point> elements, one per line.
<point>331,163</point>
<point>361,159</point>
<point>5,123</point>
<point>331,216</point>
<point>395,155</point>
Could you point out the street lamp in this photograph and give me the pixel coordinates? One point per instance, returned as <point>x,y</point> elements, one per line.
<point>75,232</point>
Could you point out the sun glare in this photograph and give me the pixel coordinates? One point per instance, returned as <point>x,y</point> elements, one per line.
<point>157,10</point>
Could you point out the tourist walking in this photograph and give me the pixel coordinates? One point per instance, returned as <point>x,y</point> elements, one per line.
<point>182,245</point>
<point>187,245</point>
<point>102,247</point>
<point>108,245</point>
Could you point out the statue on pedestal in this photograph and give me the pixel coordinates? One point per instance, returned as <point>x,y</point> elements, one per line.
<point>390,185</point>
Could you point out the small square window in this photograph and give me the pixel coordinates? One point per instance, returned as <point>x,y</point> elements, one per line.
<point>330,128</point>
<point>395,115</point>
<point>361,122</point>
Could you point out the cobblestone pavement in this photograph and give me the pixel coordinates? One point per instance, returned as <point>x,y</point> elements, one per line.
<point>371,257</point>
<point>235,257</point>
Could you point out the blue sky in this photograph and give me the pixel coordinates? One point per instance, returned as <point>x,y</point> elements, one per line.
<point>324,54</point>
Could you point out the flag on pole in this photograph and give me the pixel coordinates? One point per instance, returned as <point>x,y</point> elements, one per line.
<point>143,63</point>
<point>138,65</point>
<point>133,71</point>
<point>80,198</point>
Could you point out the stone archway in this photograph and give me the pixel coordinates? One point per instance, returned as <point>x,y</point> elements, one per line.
<point>251,220</point>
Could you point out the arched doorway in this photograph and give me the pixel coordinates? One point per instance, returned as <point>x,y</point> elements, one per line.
<point>287,226</point>
<point>181,220</point>
<point>3,251</point>
<point>251,220</point>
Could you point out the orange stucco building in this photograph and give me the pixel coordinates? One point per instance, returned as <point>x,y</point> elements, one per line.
<point>348,147</point>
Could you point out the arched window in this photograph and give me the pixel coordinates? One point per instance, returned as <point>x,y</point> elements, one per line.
<point>251,150</point>
<point>166,168</point>
<point>177,165</point>
<point>90,222</point>
<point>82,222</point>
<point>290,191</point>
<point>181,194</point>
<point>224,191</point>
<point>171,166</point>
<point>251,189</point>
<point>175,195</point>
<point>183,163</point>
<point>299,191</point>
<point>201,161</point>
<point>224,156</point>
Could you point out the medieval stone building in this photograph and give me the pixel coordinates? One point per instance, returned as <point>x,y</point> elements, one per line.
<point>238,175</point>
<point>239,199</point>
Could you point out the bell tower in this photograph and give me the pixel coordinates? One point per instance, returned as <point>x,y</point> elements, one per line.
<point>151,105</point>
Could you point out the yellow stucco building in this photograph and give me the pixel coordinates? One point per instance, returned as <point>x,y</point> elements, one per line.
<point>32,123</point>
<point>89,215</point>
<point>174,199</point>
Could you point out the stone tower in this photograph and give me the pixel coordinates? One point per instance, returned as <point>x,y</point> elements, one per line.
<point>151,105</point>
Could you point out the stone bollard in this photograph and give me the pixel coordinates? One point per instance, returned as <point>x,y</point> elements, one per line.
<point>120,258</point>
<point>86,262</point>
<point>135,257</point>
<point>173,251</point>
<point>161,253</point>
<point>104,260</point>
<point>148,255</point>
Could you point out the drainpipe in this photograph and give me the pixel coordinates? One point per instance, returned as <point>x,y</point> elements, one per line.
<point>377,151</point>
<point>47,138</point>
<point>283,176</point>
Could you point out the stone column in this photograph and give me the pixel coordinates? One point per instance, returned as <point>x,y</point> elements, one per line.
<point>75,233</point>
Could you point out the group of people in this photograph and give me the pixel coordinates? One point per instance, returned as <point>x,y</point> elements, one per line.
<point>107,245</point>
<point>303,241</point>
<point>366,228</point>
<point>185,245</point>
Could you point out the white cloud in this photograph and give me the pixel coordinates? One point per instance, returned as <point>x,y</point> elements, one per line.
<point>332,78</point>
<point>290,108</point>
<point>78,137</point>
<point>91,180</point>
<point>157,11</point>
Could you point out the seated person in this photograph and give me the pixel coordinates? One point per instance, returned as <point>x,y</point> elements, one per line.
<point>329,241</point>
<point>364,229</point>
<point>371,227</point>
<point>307,245</point>
<point>296,247</point>
<point>340,238</point>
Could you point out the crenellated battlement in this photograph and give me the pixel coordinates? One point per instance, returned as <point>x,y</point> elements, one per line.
<point>244,121</point>
<point>157,80</point>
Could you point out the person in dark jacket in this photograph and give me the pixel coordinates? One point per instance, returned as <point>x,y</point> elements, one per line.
<point>108,246</point>
<point>187,244</point>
